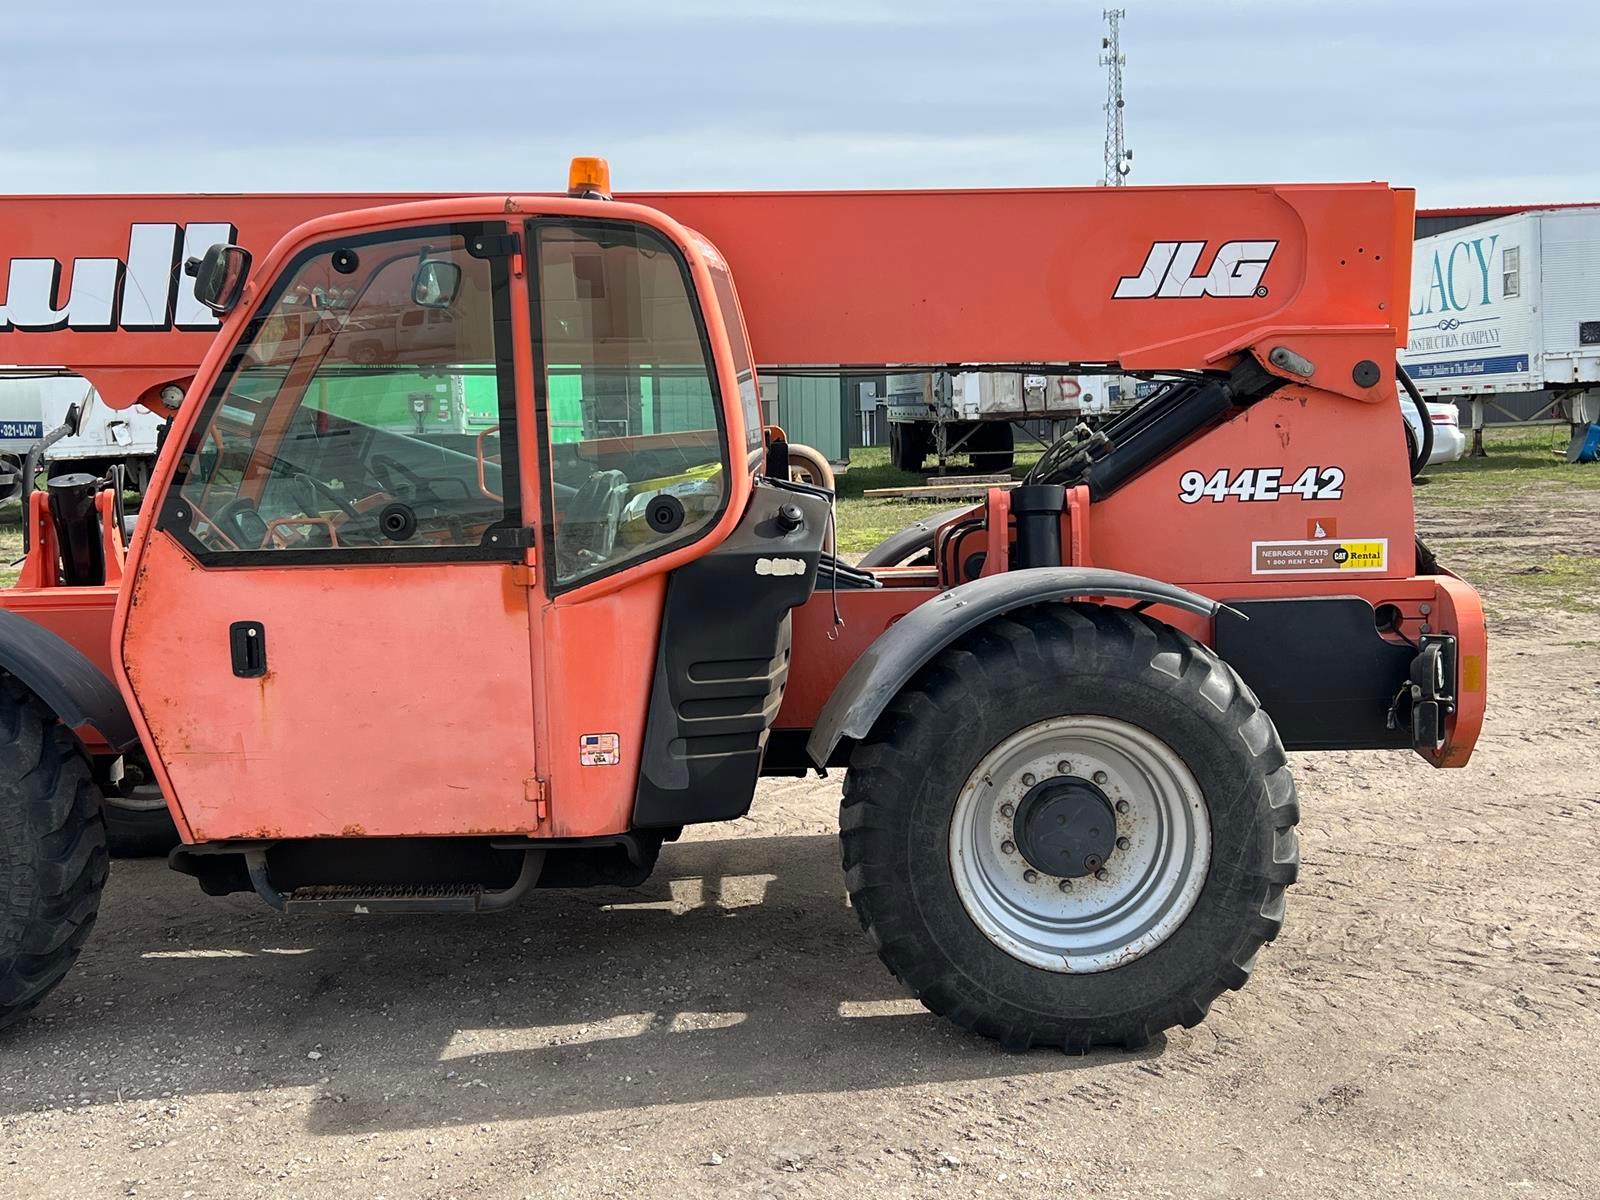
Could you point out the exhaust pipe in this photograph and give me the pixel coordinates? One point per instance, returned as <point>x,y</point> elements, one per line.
<point>1037,508</point>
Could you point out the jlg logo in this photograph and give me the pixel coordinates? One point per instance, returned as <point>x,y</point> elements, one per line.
<point>1169,271</point>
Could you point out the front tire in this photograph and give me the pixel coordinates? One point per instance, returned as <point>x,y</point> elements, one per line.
<point>53,861</point>
<point>1163,909</point>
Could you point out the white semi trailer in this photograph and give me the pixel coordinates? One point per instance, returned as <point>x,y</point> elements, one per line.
<point>974,413</point>
<point>32,406</point>
<point>1507,306</point>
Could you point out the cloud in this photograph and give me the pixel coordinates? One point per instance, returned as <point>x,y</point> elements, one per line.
<point>1459,99</point>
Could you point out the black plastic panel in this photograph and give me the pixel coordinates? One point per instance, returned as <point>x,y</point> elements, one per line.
<point>1321,669</point>
<point>723,660</point>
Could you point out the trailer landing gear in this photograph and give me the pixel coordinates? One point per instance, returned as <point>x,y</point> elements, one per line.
<point>1076,865</point>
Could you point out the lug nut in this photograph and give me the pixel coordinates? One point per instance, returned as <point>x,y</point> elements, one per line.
<point>1063,767</point>
<point>1100,777</point>
<point>1008,847</point>
<point>1122,806</point>
<point>1123,843</point>
<point>1028,781</point>
<point>1006,810</point>
<point>1031,876</point>
<point>1065,885</point>
<point>1102,873</point>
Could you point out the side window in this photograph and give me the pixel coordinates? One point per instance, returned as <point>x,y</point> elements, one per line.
<point>361,409</point>
<point>633,418</point>
<point>749,388</point>
<point>1511,271</point>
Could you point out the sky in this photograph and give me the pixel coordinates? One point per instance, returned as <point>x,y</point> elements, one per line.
<point>1471,102</point>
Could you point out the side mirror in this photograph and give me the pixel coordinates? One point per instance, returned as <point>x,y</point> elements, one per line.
<point>436,283</point>
<point>219,277</point>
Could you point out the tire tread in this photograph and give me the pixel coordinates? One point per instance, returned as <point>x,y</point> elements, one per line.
<point>885,766</point>
<point>53,864</point>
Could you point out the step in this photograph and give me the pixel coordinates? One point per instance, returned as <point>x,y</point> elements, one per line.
<point>376,898</point>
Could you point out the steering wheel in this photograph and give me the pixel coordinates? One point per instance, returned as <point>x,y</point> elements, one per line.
<point>305,488</point>
<point>590,521</point>
<point>387,468</point>
<point>395,478</point>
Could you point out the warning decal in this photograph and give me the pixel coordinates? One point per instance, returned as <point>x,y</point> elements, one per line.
<point>599,750</point>
<point>1325,554</point>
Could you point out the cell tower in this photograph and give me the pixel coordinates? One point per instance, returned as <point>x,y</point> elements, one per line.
<point>1119,159</point>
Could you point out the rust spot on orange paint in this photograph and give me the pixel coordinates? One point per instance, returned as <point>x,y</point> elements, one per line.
<point>353,830</point>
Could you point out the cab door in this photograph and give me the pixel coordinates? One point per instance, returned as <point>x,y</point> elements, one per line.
<point>328,630</point>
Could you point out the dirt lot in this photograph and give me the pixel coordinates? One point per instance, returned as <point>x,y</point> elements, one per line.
<point>1428,1025</point>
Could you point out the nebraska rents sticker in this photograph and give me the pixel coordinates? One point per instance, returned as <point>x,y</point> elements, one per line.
<point>1326,554</point>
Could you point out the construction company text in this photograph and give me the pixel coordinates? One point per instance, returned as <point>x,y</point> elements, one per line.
<point>138,292</point>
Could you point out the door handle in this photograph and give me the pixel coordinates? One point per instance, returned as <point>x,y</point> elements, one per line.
<point>248,642</point>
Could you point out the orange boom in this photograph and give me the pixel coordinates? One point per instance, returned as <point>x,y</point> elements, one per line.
<point>468,566</point>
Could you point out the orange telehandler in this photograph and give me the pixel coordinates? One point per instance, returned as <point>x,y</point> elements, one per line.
<point>468,566</point>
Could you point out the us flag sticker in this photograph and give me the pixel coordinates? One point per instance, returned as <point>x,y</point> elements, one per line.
<point>599,750</point>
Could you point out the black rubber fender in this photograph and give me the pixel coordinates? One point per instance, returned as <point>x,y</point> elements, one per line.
<point>918,535</point>
<point>900,651</point>
<point>66,682</point>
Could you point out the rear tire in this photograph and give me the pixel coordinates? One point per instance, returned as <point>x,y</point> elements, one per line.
<point>138,832</point>
<point>53,861</point>
<point>916,774</point>
<point>908,445</point>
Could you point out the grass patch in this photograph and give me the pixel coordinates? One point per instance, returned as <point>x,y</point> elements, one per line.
<point>864,522</point>
<point>1563,582</point>
<point>10,542</point>
<point>1515,459</point>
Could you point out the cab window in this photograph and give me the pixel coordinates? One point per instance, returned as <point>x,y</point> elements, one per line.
<point>362,410</point>
<point>743,363</point>
<point>632,417</point>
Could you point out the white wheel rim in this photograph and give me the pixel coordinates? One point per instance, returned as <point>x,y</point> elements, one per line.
<point>1150,882</point>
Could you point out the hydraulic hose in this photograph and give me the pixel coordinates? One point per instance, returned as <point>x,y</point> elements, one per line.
<point>1425,450</point>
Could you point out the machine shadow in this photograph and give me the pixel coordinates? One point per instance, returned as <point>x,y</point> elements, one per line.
<point>575,1002</point>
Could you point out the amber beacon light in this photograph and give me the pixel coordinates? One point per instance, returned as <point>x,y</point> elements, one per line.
<point>589,177</point>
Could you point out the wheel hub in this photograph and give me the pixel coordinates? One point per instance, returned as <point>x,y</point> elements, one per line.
<point>1066,827</point>
<point>1047,801</point>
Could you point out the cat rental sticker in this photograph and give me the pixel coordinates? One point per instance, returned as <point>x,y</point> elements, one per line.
<point>1319,555</point>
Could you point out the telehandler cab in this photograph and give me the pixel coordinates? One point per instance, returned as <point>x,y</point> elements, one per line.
<point>469,567</point>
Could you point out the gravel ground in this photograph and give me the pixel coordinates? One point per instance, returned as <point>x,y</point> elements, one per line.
<point>1427,1025</point>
